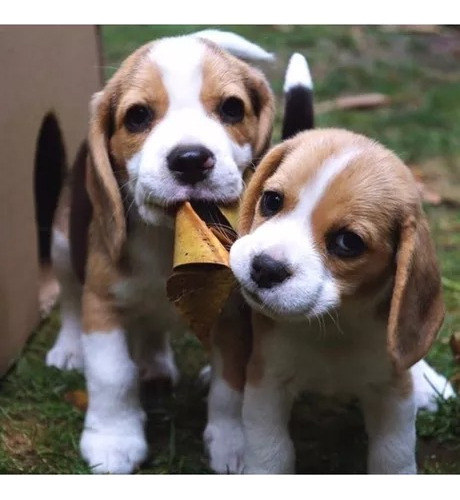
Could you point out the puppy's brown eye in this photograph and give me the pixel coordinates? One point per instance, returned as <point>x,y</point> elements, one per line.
<point>138,118</point>
<point>345,244</point>
<point>231,110</point>
<point>271,203</point>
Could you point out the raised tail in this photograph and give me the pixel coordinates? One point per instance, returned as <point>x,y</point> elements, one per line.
<point>298,97</point>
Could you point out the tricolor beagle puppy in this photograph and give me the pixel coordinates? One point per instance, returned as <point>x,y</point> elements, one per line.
<point>180,120</point>
<point>336,261</point>
<point>337,264</point>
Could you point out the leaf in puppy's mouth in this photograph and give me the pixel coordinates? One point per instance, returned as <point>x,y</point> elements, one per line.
<point>201,281</point>
<point>220,220</point>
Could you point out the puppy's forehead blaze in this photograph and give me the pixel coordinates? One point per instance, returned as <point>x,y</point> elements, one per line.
<point>158,73</point>
<point>185,72</point>
<point>360,198</point>
<point>346,180</point>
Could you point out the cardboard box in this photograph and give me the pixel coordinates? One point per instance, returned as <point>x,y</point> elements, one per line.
<point>48,76</point>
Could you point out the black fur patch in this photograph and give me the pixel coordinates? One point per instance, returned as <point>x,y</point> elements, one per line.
<point>298,111</point>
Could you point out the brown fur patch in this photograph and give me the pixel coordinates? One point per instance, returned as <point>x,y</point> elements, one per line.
<point>261,326</point>
<point>417,308</point>
<point>98,310</point>
<point>145,86</point>
<point>80,214</point>
<point>232,336</point>
<point>226,76</point>
<point>403,384</point>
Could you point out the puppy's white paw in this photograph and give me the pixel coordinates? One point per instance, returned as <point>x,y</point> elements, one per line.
<point>113,453</point>
<point>67,353</point>
<point>224,441</point>
<point>429,386</point>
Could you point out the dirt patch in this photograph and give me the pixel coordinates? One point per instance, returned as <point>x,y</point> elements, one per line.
<point>19,441</point>
<point>437,458</point>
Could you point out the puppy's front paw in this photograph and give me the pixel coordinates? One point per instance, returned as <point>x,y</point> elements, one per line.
<point>429,386</point>
<point>66,354</point>
<point>224,442</point>
<point>113,453</point>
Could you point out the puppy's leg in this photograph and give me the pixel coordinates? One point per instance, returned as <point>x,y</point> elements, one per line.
<point>154,358</point>
<point>113,439</point>
<point>389,414</point>
<point>429,386</point>
<point>66,352</point>
<point>266,412</point>
<point>223,435</point>
<point>266,409</point>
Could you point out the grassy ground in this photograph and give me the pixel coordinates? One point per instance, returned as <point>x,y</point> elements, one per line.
<point>420,70</point>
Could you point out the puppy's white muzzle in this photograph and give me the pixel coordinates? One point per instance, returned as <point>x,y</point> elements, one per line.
<point>281,273</point>
<point>157,180</point>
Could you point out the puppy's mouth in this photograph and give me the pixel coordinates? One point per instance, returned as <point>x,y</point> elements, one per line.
<point>205,209</point>
<point>269,306</point>
<point>256,302</point>
<point>152,205</point>
<point>168,192</point>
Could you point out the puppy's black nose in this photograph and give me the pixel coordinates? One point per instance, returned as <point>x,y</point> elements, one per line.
<point>190,164</point>
<point>267,272</point>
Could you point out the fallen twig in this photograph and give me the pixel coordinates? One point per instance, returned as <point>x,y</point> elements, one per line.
<point>361,101</point>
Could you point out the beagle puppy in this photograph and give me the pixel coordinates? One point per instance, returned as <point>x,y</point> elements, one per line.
<point>336,261</point>
<point>223,436</point>
<point>180,120</point>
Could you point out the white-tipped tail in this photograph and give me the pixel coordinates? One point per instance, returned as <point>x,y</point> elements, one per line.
<point>429,386</point>
<point>297,73</point>
<point>236,45</point>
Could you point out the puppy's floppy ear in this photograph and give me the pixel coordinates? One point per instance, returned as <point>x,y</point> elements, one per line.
<point>266,169</point>
<point>263,104</point>
<point>103,190</point>
<point>417,308</point>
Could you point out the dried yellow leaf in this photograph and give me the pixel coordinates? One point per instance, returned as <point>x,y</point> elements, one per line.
<point>202,281</point>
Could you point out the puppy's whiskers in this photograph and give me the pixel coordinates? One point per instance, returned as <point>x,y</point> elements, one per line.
<point>335,321</point>
<point>130,206</point>
<point>322,324</point>
<point>130,183</point>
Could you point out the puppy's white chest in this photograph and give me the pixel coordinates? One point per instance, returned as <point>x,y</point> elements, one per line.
<point>330,362</point>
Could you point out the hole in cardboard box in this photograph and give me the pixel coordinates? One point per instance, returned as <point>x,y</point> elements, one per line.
<point>50,171</point>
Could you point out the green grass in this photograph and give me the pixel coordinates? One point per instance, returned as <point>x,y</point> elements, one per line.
<point>39,429</point>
